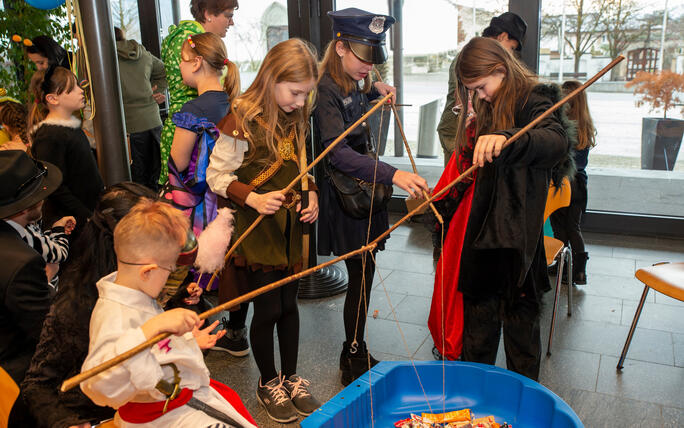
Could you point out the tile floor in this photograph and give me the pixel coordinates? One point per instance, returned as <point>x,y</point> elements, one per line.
<point>648,393</point>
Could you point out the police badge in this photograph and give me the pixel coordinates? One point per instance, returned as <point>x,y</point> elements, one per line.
<point>377,24</point>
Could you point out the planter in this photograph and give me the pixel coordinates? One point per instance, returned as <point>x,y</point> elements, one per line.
<point>660,142</point>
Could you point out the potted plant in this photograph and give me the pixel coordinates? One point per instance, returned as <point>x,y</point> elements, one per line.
<point>660,137</point>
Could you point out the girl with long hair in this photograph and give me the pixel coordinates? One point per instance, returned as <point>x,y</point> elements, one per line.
<point>566,221</point>
<point>256,156</point>
<point>344,90</point>
<point>56,137</point>
<point>13,118</point>
<point>492,271</point>
<point>212,16</point>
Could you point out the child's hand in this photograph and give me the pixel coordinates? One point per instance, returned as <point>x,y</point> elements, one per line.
<point>267,203</point>
<point>385,89</point>
<point>487,148</point>
<point>195,292</point>
<point>51,270</point>
<point>176,321</point>
<point>310,213</point>
<point>410,182</point>
<point>204,338</point>
<point>68,223</point>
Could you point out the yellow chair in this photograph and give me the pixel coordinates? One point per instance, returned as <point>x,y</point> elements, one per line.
<point>667,278</point>
<point>9,391</point>
<point>556,250</point>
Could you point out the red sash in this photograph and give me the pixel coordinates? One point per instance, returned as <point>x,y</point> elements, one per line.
<point>138,413</point>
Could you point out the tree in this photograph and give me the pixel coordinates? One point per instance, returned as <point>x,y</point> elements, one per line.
<point>659,90</point>
<point>583,26</point>
<point>125,16</point>
<point>17,17</point>
<point>621,27</point>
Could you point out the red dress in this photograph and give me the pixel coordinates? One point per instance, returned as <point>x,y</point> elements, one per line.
<point>446,312</point>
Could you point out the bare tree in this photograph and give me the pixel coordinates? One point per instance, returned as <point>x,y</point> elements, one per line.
<point>583,26</point>
<point>621,28</point>
<point>125,16</point>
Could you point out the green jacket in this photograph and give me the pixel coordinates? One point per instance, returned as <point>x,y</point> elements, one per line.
<point>179,93</point>
<point>447,123</point>
<point>139,72</point>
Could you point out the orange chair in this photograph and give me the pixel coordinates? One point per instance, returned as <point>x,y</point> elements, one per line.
<point>9,391</point>
<point>667,278</point>
<point>557,251</point>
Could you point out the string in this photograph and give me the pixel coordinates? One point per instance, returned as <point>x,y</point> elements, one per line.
<point>441,263</point>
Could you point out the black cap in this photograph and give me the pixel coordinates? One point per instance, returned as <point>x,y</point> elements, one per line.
<point>25,181</point>
<point>511,24</point>
<point>364,31</point>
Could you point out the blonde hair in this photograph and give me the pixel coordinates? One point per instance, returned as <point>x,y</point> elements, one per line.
<point>332,63</point>
<point>62,80</point>
<point>290,61</point>
<point>149,229</point>
<point>578,110</point>
<point>210,47</point>
<point>480,58</point>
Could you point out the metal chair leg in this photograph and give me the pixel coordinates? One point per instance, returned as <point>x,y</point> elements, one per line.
<point>568,253</point>
<point>559,276</point>
<point>632,328</point>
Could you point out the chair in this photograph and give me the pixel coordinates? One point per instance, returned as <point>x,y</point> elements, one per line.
<point>9,391</point>
<point>556,250</point>
<point>667,278</point>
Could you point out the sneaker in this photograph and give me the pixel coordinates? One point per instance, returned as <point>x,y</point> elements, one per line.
<point>436,354</point>
<point>275,399</point>
<point>303,401</point>
<point>234,342</point>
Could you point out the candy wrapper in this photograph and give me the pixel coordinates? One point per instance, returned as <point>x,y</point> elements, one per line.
<point>455,416</point>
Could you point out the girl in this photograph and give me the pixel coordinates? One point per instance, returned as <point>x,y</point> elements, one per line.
<point>256,157</point>
<point>566,221</point>
<point>213,16</point>
<point>203,59</point>
<point>494,252</point>
<point>344,90</point>
<point>57,138</point>
<point>13,117</point>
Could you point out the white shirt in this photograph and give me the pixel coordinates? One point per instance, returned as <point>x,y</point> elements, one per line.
<point>226,158</point>
<point>115,327</point>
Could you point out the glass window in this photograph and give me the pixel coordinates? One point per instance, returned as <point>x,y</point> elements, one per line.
<point>125,16</point>
<point>432,36</point>
<point>636,166</point>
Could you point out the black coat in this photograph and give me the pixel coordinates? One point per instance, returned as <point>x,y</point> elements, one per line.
<point>339,233</point>
<point>65,145</point>
<point>25,298</point>
<point>59,355</point>
<point>503,251</point>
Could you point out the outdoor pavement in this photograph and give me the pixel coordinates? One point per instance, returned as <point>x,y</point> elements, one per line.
<point>648,393</point>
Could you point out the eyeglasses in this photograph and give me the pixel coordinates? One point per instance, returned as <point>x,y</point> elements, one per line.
<point>145,264</point>
<point>30,181</point>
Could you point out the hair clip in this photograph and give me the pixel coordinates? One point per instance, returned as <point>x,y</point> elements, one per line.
<point>18,39</point>
<point>192,44</point>
<point>3,92</point>
<point>225,61</point>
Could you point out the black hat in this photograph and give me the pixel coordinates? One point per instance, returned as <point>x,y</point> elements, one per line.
<point>511,24</point>
<point>364,31</point>
<point>25,181</point>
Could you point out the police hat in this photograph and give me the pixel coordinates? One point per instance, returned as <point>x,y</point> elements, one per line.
<point>511,24</point>
<point>364,31</point>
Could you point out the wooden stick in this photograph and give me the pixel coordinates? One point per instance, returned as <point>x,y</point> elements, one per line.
<point>306,227</point>
<point>299,177</point>
<point>81,377</point>
<point>513,138</point>
<point>408,150</point>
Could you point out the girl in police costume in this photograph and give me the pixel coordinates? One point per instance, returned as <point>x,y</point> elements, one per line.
<point>255,157</point>
<point>344,91</point>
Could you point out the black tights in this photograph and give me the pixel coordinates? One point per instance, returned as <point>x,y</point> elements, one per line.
<point>351,302</point>
<point>277,308</point>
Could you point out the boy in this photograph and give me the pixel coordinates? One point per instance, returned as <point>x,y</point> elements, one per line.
<point>147,242</point>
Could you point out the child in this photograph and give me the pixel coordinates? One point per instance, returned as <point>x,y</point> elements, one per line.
<point>254,159</point>
<point>566,221</point>
<point>57,138</point>
<point>203,59</point>
<point>359,43</point>
<point>147,242</point>
<point>494,252</point>
<point>13,117</point>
